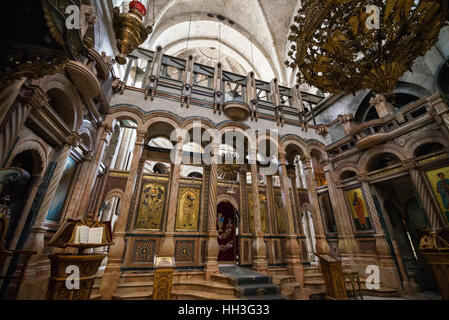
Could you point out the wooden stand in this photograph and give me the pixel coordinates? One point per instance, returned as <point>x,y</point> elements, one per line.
<point>439,261</point>
<point>434,248</point>
<point>88,266</point>
<point>163,278</point>
<point>333,278</point>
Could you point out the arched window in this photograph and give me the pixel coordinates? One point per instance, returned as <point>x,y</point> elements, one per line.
<point>428,148</point>
<point>381,161</point>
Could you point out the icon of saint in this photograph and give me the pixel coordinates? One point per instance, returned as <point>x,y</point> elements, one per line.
<point>359,208</point>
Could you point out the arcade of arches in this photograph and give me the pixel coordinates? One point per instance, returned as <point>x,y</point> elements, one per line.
<point>350,179</point>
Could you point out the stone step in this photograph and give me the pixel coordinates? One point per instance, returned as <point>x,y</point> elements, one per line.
<point>221,278</point>
<point>176,295</point>
<point>266,297</point>
<point>204,286</point>
<point>257,289</point>
<point>199,295</point>
<point>287,289</point>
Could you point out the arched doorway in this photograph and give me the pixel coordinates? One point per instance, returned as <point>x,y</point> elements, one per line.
<point>227,227</point>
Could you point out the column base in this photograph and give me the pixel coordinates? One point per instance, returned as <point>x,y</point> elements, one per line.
<point>382,246</point>
<point>294,263</point>
<point>322,247</point>
<point>110,279</point>
<point>259,254</point>
<point>211,266</point>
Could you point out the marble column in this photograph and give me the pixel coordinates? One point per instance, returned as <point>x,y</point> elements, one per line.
<point>271,206</point>
<point>381,243</point>
<point>297,214</point>
<point>293,249</point>
<point>91,175</point>
<point>244,219</point>
<point>435,219</point>
<point>291,173</point>
<point>211,266</point>
<point>168,243</point>
<point>322,247</point>
<point>108,159</point>
<point>111,275</point>
<point>346,244</point>
<point>259,249</point>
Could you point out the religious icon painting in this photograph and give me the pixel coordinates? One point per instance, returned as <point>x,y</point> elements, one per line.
<point>188,209</point>
<point>439,182</point>
<point>359,210</point>
<point>151,206</point>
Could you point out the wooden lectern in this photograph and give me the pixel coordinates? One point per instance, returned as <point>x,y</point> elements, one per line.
<point>163,277</point>
<point>333,277</point>
<point>82,235</point>
<point>434,248</point>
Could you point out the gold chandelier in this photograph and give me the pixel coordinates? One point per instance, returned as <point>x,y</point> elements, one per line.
<point>336,50</point>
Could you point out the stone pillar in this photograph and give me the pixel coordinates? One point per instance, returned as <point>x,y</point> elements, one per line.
<point>297,205</point>
<point>91,174</point>
<point>270,198</point>
<point>381,243</point>
<point>322,246</point>
<point>383,107</point>
<point>348,122</point>
<point>109,155</point>
<point>435,219</point>
<point>111,275</point>
<point>244,219</point>
<point>293,249</point>
<point>211,266</point>
<point>345,244</point>
<point>297,214</point>
<point>259,249</point>
<point>168,243</point>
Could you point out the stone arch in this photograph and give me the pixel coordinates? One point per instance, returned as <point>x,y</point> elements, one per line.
<point>389,147</point>
<point>40,155</point>
<point>161,116</point>
<point>345,168</point>
<point>227,198</point>
<point>239,129</point>
<point>317,148</point>
<point>423,138</point>
<point>124,112</point>
<point>64,88</point>
<point>87,134</point>
<point>114,193</point>
<point>205,124</point>
<point>293,146</point>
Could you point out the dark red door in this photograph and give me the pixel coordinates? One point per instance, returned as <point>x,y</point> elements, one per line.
<point>226,223</point>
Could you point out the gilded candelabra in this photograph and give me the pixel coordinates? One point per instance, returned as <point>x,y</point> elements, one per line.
<point>336,49</point>
<point>129,29</point>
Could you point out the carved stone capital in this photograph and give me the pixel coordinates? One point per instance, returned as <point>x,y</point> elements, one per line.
<point>88,155</point>
<point>363,177</point>
<point>346,117</point>
<point>409,164</point>
<point>33,96</point>
<point>74,140</point>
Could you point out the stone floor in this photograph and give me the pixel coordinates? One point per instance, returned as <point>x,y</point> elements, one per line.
<point>431,295</point>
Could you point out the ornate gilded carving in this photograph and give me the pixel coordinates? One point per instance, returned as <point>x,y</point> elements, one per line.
<point>335,51</point>
<point>151,206</point>
<point>188,209</point>
<point>163,282</point>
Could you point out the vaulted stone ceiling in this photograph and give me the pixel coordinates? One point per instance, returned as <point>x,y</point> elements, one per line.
<point>252,33</point>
